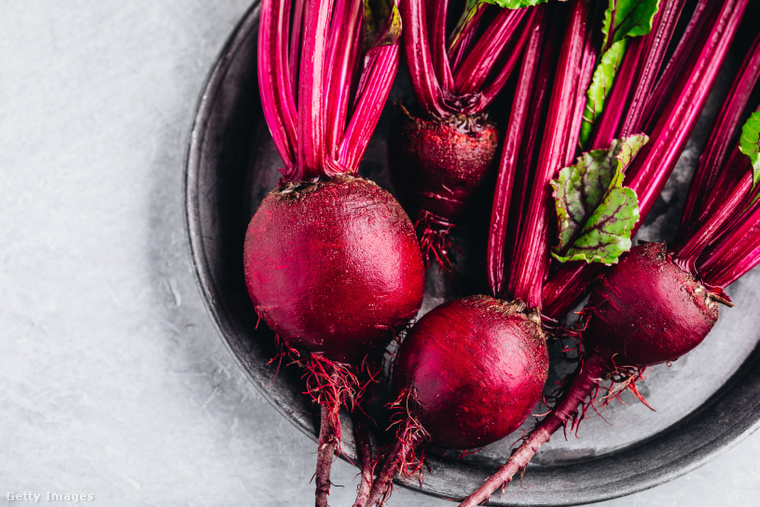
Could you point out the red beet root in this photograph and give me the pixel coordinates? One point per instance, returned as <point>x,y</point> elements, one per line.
<point>436,166</point>
<point>651,308</point>
<point>648,311</point>
<point>504,371</point>
<point>468,373</point>
<point>332,262</point>
<point>333,267</point>
<point>456,73</point>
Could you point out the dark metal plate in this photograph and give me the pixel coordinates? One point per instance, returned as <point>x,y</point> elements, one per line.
<point>705,402</point>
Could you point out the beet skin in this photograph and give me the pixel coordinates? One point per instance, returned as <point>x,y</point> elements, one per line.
<point>647,310</point>
<point>436,165</point>
<point>334,266</point>
<point>476,366</point>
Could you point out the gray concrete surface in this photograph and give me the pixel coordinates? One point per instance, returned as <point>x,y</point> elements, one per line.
<point>113,382</point>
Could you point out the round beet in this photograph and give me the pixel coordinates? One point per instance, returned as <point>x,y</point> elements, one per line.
<point>333,266</point>
<point>468,373</point>
<point>647,310</point>
<point>436,166</point>
<point>476,366</point>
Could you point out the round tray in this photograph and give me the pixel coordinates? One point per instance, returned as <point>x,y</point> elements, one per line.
<point>705,402</point>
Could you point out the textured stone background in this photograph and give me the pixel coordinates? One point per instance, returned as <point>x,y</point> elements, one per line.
<point>113,381</point>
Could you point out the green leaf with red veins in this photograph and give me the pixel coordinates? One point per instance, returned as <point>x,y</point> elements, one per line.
<point>607,233</point>
<point>749,144</point>
<point>382,23</point>
<point>592,206</point>
<point>627,18</point>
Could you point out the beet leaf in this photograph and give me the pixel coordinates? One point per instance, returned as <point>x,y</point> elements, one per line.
<point>382,23</point>
<point>628,18</point>
<point>604,76</point>
<point>623,20</point>
<point>596,214</point>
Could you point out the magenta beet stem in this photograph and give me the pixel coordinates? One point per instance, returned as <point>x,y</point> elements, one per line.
<point>532,251</point>
<point>437,11</point>
<point>312,158</point>
<point>531,146</point>
<point>714,226</point>
<point>381,64</point>
<point>514,51</point>
<point>471,75</point>
<point>735,253</point>
<point>294,53</point>
<point>722,137</point>
<point>463,79</point>
<point>667,85</point>
<point>343,49</point>
<point>678,119</point>
<point>588,62</point>
<point>420,60</point>
<point>655,48</point>
<point>508,165</point>
<point>274,81</point>
<point>729,176</point>
<point>565,287</point>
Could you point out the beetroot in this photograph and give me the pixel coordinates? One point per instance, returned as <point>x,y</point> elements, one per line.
<point>468,404</point>
<point>657,304</point>
<point>667,311</point>
<point>440,156</point>
<point>468,373</point>
<point>333,266</point>
<point>436,165</point>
